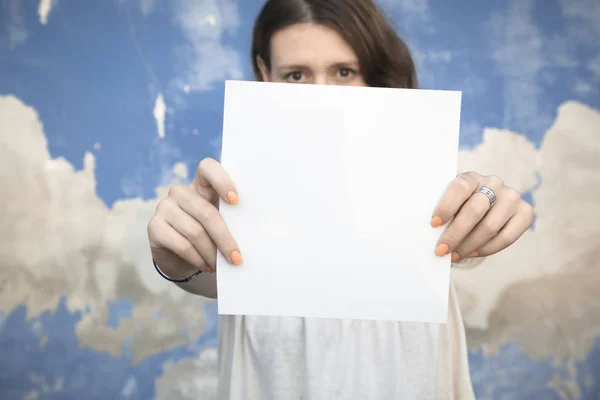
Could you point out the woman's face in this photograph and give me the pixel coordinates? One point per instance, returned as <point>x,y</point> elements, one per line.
<point>314,54</point>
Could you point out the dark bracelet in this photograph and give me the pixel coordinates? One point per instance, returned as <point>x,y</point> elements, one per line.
<point>181,280</point>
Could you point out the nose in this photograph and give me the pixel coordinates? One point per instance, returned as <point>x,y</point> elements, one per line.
<point>321,79</point>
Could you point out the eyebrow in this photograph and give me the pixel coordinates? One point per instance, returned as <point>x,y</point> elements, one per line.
<point>337,64</point>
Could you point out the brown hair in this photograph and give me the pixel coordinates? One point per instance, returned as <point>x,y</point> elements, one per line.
<point>385,59</point>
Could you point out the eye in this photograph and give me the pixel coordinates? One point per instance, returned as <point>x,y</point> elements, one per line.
<point>295,76</point>
<point>346,72</point>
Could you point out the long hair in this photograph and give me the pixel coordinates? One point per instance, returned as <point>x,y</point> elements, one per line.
<point>384,58</point>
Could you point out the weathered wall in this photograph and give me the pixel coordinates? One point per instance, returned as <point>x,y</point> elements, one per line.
<point>542,294</point>
<point>103,107</point>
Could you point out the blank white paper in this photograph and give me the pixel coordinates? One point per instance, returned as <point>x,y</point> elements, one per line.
<point>337,186</point>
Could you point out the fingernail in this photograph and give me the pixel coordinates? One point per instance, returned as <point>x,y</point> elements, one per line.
<point>442,250</point>
<point>436,222</point>
<point>473,254</point>
<point>209,270</point>
<point>236,258</point>
<point>232,198</point>
<point>455,256</point>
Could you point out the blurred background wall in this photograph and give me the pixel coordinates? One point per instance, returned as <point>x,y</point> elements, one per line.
<point>104,104</point>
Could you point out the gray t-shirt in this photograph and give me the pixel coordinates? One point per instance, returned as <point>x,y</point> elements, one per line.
<point>264,358</point>
<point>283,358</point>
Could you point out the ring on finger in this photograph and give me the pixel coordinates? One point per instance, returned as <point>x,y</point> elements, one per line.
<point>488,192</point>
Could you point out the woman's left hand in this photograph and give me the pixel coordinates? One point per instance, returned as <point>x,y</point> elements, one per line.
<point>479,228</point>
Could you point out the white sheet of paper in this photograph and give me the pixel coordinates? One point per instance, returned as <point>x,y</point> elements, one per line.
<point>337,186</point>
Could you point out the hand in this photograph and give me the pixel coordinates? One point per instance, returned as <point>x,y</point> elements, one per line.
<point>478,230</point>
<point>187,229</point>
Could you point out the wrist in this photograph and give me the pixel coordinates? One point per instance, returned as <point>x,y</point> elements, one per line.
<point>182,278</point>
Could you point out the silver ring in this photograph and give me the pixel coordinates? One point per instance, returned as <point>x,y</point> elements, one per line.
<point>489,193</point>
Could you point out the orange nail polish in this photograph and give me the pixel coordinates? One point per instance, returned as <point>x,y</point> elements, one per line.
<point>436,222</point>
<point>442,250</point>
<point>455,256</point>
<point>232,198</point>
<point>473,254</point>
<point>236,258</point>
<point>209,270</point>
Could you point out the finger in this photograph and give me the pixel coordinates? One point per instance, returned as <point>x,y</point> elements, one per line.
<point>503,210</point>
<point>512,231</point>
<point>191,229</point>
<point>211,220</point>
<point>209,269</point>
<point>211,181</point>
<point>168,238</point>
<point>458,191</point>
<point>470,214</point>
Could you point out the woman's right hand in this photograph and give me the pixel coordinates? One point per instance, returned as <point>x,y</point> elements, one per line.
<point>187,229</point>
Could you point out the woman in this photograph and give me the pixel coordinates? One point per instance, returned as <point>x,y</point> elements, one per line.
<point>332,42</point>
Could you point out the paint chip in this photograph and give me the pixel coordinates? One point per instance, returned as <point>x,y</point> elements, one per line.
<point>160,110</point>
<point>180,170</point>
<point>44,8</point>
<point>210,19</point>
